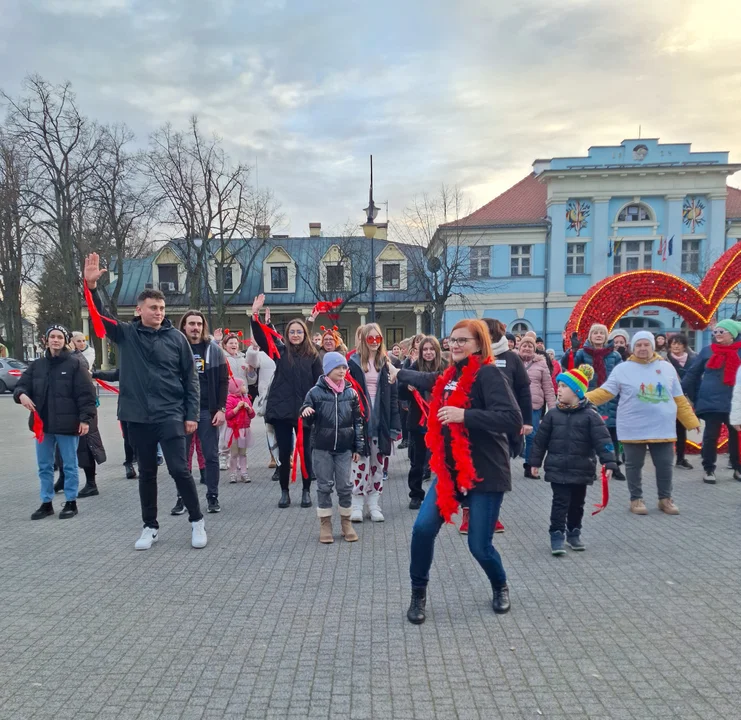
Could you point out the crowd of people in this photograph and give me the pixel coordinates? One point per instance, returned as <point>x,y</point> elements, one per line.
<point>464,409</point>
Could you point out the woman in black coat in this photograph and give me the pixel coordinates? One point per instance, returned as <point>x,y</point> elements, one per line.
<point>297,369</point>
<point>681,357</point>
<point>472,413</point>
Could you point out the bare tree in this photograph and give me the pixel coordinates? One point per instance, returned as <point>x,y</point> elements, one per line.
<point>61,146</point>
<point>444,269</point>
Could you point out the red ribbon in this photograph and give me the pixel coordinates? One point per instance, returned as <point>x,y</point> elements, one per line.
<point>361,395</point>
<point>270,334</point>
<point>605,494</point>
<point>298,453</point>
<point>107,386</point>
<point>38,427</point>
<point>424,407</point>
<point>326,306</point>
<point>95,316</point>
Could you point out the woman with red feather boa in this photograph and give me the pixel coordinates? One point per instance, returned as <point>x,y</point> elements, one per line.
<point>472,413</point>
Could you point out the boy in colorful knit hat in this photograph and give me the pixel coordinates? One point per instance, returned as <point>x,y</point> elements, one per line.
<point>573,435</point>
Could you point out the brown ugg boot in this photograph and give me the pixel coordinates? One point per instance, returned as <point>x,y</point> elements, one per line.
<point>325,529</point>
<point>348,531</point>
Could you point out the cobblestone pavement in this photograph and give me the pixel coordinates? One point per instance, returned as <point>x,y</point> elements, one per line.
<point>266,623</point>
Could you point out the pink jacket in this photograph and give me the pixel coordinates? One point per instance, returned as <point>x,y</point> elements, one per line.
<point>241,419</point>
<point>541,384</point>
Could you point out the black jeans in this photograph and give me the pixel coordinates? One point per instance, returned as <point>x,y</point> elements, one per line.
<point>419,455</point>
<point>208,434</point>
<point>129,456</point>
<point>616,444</point>
<point>681,441</point>
<point>567,509</point>
<point>171,437</point>
<point>713,423</point>
<point>404,418</point>
<point>284,430</point>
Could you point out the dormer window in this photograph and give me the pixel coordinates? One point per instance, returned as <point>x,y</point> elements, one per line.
<point>635,213</point>
<point>335,278</point>
<point>391,276</point>
<point>279,272</point>
<point>279,278</point>
<point>225,271</point>
<point>168,278</point>
<point>335,269</point>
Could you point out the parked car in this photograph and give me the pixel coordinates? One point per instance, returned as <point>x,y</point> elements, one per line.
<point>10,373</point>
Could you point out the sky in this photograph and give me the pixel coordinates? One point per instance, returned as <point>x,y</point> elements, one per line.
<point>461,92</point>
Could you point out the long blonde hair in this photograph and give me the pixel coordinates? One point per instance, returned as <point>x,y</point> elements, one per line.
<point>371,328</point>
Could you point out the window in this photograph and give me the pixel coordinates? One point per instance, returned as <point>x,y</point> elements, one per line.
<point>226,271</point>
<point>279,278</point>
<point>519,260</point>
<point>634,213</point>
<point>632,255</point>
<point>335,277</point>
<point>168,274</point>
<point>690,256</point>
<point>575,257</point>
<point>393,335</point>
<point>479,259</point>
<point>519,328</point>
<point>391,276</point>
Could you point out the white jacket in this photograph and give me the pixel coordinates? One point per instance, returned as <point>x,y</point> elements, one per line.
<point>266,365</point>
<point>736,400</point>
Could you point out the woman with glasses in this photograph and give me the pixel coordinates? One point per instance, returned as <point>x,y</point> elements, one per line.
<point>369,369</point>
<point>296,372</point>
<point>472,414</point>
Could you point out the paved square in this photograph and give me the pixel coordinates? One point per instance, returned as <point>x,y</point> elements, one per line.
<point>266,623</point>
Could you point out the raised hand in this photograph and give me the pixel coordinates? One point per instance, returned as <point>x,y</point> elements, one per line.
<point>218,335</point>
<point>393,371</point>
<point>257,304</point>
<point>267,316</point>
<point>93,271</point>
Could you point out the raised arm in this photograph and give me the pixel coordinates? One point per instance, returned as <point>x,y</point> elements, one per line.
<point>420,380</point>
<point>92,273</point>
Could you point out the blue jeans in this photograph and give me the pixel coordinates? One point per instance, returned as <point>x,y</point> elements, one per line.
<point>529,438</point>
<point>208,434</point>
<point>483,512</point>
<point>67,445</point>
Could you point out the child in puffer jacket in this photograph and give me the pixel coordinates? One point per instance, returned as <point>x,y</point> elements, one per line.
<point>239,414</point>
<point>573,434</point>
<point>332,410</point>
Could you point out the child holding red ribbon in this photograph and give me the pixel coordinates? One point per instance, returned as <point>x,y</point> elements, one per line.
<point>239,414</point>
<point>573,434</point>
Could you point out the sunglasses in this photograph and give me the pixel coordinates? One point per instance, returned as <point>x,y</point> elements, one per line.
<point>374,339</point>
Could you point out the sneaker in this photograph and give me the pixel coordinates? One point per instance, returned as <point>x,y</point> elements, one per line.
<point>148,537</point>
<point>709,477</point>
<point>45,510</point>
<point>500,602</point>
<point>729,466</point>
<point>557,541</point>
<point>498,527</point>
<point>213,504</point>
<point>233,478</point>
<point>427,475</point>
<point>415,503</point>
<point>245,478</point>
<point>737,475</point>
<point>403,445</point>
<point>130,471</point>
<point>69,510</point>
<point>638,507</point>
<point>223,462</point>
<point>463,529</point>
<point>356,509</point>
<point>160,460</point>
<point>617,474</point>
<point>667,506</point>
<point>574,541</point>
<point>179,508</point>
<point>198,538</point>
<point>684,464</point>
<point>385,476</point>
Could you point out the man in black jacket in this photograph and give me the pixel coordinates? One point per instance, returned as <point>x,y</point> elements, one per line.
<point>213,378</point>
<point>159,398</point>
<point>58,392</point>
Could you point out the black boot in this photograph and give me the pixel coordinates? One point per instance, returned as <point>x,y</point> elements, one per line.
<point>305,499</point>
<point>89,490</point>
<point>528,472</point>
<point>45,510</point>
<point>416,613</point>
<point>617,474</point>
<point>69,510</point>
<point>59,484</point>
<point>500,603</point>
<point>285,499</point>
<point>130,472</point>
<point>276,475</point>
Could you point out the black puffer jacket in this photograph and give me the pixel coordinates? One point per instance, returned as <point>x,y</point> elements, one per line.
<point>573,438</point>
<point>62,390</point>
<point>294,377</point>
<point>337,425</point>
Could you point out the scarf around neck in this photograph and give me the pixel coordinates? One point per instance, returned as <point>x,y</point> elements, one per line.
<point>681,359</point>
<point>502,345</point>
<point>725,357</point>
<point>338,387</point>
<point>598,361</point>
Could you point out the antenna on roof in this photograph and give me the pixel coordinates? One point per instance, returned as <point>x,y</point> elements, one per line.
<point>639,132</point>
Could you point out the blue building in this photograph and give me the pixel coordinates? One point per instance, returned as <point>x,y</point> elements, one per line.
<point>539,246</point>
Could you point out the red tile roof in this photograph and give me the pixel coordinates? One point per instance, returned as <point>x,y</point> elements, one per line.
<point>523,203</point>
<point>733,203</point>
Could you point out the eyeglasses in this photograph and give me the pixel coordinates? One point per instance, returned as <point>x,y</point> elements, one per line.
<point>295,332</point>
<point>459,340</point>
<point>719,331</point>
<point>374,339</point>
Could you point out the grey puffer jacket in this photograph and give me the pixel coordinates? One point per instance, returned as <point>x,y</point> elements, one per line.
<point>337,425</point>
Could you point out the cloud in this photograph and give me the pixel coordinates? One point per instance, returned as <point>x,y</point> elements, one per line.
<point>468,93</point>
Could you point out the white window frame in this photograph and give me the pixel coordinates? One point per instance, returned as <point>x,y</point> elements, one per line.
<point>688,254</point>
<point>343,285</point>
<point>645,252</point>
<point>288,277</point>
<point>573,256</point>
<point>523,253</point>
<point>383,276</point>
<point>479,260</point>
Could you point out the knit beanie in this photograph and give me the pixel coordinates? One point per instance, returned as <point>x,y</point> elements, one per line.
<point>620,333</point>
<point>577,379</point>
<point>234,385</point>
<point>643,335</point>
<point>61,329</point>
<point>333,360</point>
<point>732,326</point>
<point>531,334</point>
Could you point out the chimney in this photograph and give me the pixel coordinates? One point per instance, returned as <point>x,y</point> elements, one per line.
<point>262,231</point>
<point>315,229</point>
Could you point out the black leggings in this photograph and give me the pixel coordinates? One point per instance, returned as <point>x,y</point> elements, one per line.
<point>284,430</point>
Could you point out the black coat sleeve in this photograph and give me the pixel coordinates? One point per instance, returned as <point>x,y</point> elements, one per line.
<point>395,423</point>
<point>24,386</point>
<point>114,329</point>
<point>191,386</point>
<point>358,426</point>
<point>223,380</point>
<point>259,335</point>
<point>693,375</point>
<point>84,393</point>
<point>521,388</point>
<point>542,441</point>
<point>316,368</point>
<point>601,440</point>
<point>500,413</point>
<point>107,375</point>
<point>308,403</point>
<point>421,380</point>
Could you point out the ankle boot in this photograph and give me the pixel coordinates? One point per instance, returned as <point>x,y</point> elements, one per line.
<point>348,531</point>
<point>416,613</point>
<point>305,498</point>
<point>356,509</point>
<point>89,490</point>
<point>325,529</point>
<point>285,499</point>
<point>500,603</point>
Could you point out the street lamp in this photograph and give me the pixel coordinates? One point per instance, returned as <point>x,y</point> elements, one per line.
<point>198,242</point>
<point>369,230</point>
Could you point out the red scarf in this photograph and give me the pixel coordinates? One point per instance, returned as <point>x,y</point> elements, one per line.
<point>726,357</point>
<point>38,427</point>
<point>598,361</point>
<point>605,494</point>
<point>465,477</point>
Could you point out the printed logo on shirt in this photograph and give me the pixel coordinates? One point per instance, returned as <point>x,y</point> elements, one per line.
<point>653,393</point>
<point>200,363</point>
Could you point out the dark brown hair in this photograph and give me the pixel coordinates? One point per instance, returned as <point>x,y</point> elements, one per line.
<point>190,313</point>
<point>496,328</point>
<point>150,294</point>
<point>306,347</point>
<point>437,364</point>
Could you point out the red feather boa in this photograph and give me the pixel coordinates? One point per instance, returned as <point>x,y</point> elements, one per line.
<point>465,472</point>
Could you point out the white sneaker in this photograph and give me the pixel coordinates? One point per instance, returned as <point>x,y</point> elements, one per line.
<point>149,535</point>
<point>199,539</point>
<point>223,460</point>
<point>245,478</point>
<point>356,513</point>
<point>233,478</point>
<point>374,507</point>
